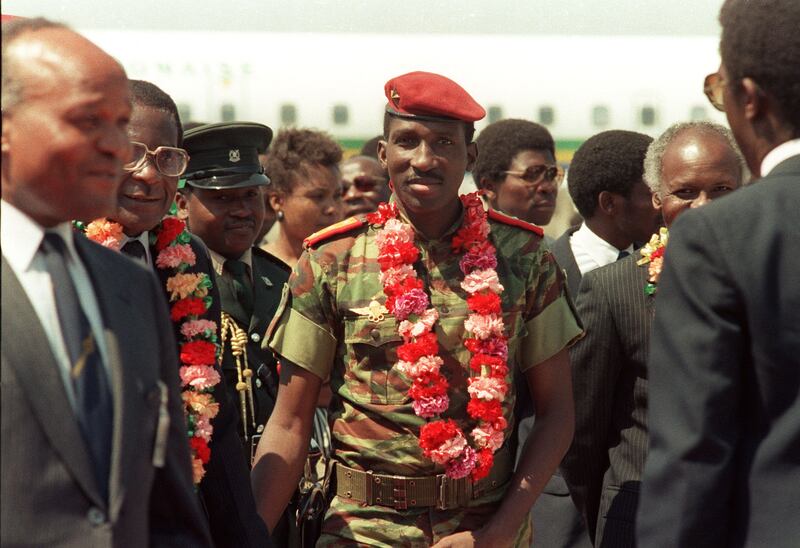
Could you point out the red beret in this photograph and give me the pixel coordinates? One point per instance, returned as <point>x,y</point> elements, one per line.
<point>427,95</point>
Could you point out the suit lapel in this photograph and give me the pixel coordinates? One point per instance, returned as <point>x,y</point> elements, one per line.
<point>113,301</point>
<point>25,344</point>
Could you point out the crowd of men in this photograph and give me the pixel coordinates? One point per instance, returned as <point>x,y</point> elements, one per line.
<point>216,338</point>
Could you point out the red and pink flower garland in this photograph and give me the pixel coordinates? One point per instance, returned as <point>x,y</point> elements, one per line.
<point>198,349</point>
<point>442,440</point>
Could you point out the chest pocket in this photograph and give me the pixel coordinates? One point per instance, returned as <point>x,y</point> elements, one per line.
<point>371,375</point>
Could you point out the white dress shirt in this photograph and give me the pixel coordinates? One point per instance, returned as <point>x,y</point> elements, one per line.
<point>20,238</point>
<point>778,154</point>
<point>591,251</point>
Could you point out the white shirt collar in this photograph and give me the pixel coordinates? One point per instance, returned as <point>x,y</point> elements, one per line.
<point>21,236</point>
<point>591,251</point>
<point>778,154</point>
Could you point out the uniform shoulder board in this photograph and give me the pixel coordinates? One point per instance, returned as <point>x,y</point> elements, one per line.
<point>513,221</point>
<point>334,230</point>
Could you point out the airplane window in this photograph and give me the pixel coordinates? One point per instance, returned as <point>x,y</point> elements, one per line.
<point>185,112</point>
<point>495,113</point>
<point>600,116</point>
<point>698,113</point>
<point>340,115</point>
<point>228,112</point>
<point>546,116</point>
<point>647,116</point>
<point>288,114</point>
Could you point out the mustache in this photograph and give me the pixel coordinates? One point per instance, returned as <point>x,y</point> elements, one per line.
<point>430,175</point>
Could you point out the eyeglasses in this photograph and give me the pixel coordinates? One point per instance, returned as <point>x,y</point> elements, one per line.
<point>712,87</point>
<point>169,161</point>
<point>362,184</point>
<point>536,174</point>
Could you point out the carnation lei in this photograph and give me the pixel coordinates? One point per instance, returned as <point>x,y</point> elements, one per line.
<point>198,345</point>
<point>442,440</point>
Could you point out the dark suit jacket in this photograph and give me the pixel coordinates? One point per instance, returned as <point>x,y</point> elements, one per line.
<point>724,461</point>
<point>49,494</point>
<point>609,374</point>
<point>269,276</point>
<point>225,489</point>
<point>566,260</point>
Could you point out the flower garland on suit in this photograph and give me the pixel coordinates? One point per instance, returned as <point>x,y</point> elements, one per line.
<point>198,345</point>
<point>442,440</point>
<point>653,255</point>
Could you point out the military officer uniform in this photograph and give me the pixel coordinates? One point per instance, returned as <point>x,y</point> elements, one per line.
<point>226,156</point>
<point>333,322</point>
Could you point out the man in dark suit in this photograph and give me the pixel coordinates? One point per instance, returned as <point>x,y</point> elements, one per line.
<point>689,165</point>
<point>724,461</point>
<point>145,196</point>
<point>94,449</point>
<point>224,206</point>
<point>605,182</point>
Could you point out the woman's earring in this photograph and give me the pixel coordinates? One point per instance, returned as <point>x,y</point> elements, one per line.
<point>279,215</point>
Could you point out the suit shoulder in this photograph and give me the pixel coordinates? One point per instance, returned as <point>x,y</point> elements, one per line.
<point>508,220</point>
<point>328,233</point>
<point>270,261</point>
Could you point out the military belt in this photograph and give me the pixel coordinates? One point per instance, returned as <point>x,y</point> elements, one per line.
<point>403,492</point>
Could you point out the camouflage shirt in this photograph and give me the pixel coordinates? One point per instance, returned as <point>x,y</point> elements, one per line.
<point>323,327</point>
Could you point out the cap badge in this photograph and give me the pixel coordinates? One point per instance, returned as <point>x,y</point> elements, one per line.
<point>395,97</point>
<point>233,155</point>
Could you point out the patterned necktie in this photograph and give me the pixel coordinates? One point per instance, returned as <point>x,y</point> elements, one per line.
<point>93,404</point>
<point>135,250</point>
<point>622,255</point>
<point>241,284</point>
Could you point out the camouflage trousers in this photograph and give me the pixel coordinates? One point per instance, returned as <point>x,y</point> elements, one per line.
<point>348,523</point>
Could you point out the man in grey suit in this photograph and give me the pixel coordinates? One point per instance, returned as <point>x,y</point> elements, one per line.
<point>723,467</point>
<point>94,449</point>
<point>689,165</point>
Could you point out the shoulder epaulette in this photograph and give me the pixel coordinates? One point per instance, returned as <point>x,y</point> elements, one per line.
<point>334,230</point>
<point>513,221</point>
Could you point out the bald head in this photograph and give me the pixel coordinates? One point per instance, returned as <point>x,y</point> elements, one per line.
<point>35,51</point>
<point>66,107</point>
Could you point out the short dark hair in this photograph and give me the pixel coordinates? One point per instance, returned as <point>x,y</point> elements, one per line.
<point>296,149</point>
<point>612,161</point>
<point>760,40</point>
<point>12,88</point>
<point>469,127</point>
<point>499,142</point>
<point>146,94</point>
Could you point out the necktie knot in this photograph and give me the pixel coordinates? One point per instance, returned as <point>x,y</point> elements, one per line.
<point>622,255</point>
<point>237,268</point>
<point>134,249</point>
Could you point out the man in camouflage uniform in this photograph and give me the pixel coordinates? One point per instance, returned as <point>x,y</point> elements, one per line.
<point>333,322</point>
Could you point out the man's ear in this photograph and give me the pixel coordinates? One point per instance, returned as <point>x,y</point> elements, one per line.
<point>6,139</point>
<point>381,150</point>
<point>182,201</point>
<point>754,99</point>
<point>489,188</point>
<point>656,200</point>
<point>472,154</point>
<point>609,203</point>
